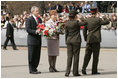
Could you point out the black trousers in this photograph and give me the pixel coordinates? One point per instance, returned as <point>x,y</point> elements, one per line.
<point>33,57</point>
<point>91,48</point>
<point>73,51</point>
<point>12,42</point>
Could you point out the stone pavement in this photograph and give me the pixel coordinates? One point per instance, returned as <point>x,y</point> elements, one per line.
<point>14,64</point>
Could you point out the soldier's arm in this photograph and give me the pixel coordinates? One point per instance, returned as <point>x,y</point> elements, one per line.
<point>104,22</point>
<point>83,22</point>
<point>85,32</point>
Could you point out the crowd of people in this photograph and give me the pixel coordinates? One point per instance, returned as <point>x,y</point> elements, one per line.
<point>63,12</point>
<point>84,6</point>
<point>19,20</point>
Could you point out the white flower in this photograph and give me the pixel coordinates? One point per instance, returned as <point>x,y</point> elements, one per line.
<point>51,31</point>
<point>57,27</point>
<point>46,28</point>
<point>43,32</point>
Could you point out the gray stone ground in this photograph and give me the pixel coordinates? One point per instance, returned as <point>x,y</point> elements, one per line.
<point>14,64</point>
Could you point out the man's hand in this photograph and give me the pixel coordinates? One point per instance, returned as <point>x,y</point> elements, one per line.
<point>79,16</point>
<point>37,31</point>
<point>79,20</point>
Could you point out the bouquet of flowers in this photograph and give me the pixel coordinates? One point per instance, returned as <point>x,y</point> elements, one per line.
<point>59,29</point>
<point>45,30</point>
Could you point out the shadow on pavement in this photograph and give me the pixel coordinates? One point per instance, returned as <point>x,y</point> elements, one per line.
<point>13,66</point>
<point>71,71</point>
<point>102,73</point>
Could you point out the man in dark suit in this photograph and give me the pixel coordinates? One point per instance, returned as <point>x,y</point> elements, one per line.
<point>33,40</point>
<point>10,34</point>
<point>93,39</point>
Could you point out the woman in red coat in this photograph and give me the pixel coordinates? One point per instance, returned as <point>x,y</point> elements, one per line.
<point>65,9</point>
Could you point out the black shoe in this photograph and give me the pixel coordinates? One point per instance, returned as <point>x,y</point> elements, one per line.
<point>76,75</point>
<point>51,69</point>
<point>67,74</point>
<point>55,70</point>
<point>83,72</point>
<point>15,49</point>
<point>4,48</point>
<point>95,73</point>
<point>37,72</point>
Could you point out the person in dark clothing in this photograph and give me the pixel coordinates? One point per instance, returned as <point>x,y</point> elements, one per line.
<point>104,6</point>
<point>58,8</point>
<point>92,36</point>
<point>33,40</point>
<point>73,42</point>
<point>113,6</point>
<point>10,34</point>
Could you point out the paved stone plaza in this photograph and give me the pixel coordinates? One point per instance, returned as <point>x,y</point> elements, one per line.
<point>14,64</point>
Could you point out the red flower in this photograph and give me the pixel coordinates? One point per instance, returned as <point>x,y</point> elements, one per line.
<point>63,25</point>
<point>41,31</point>
<point>81,27</point>
<point>42,26</point>
<point>38,26</point>
<point>46,32</point>
<point>57,23</point>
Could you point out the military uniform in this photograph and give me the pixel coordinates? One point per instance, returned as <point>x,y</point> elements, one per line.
<point>93,39</point>
<point>73,41</point>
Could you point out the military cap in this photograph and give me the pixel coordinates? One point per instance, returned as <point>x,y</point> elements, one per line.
<point>72,13</point>
<point>93,9</point>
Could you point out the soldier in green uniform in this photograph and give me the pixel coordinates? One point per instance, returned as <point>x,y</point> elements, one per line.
<point>92,36</point>
<point>73,41</point>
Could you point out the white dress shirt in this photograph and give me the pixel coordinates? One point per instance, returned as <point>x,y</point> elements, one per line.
<point>5,24</point>
<point>34,18</point>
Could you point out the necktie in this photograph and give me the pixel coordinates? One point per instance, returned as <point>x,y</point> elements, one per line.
<point>37,20</point>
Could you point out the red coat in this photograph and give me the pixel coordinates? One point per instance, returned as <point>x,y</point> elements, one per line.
<point>66,10</point>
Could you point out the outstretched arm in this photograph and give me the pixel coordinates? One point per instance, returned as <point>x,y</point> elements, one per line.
<point>82,22</point>
<point>104,22</point>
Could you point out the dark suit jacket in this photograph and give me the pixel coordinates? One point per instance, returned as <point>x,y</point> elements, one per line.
<point>94,29</point>
<point>72,31</point>
<point>10,30</point>
<point>59,8</point>
<point>33,38</point>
